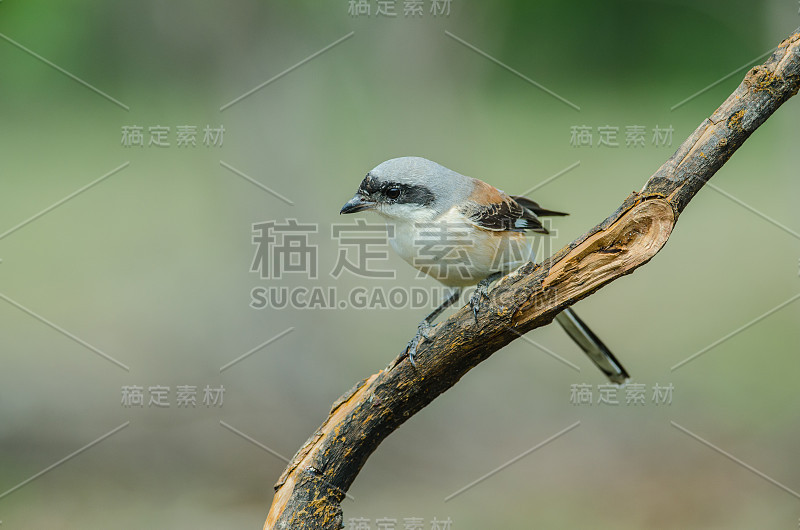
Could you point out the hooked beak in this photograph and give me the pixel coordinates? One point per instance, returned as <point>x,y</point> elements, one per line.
<point>357,204</point>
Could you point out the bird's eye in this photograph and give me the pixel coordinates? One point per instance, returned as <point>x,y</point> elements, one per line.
<point>393,192</point>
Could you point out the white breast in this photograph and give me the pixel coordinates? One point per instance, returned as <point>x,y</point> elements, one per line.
<point>455,251</point>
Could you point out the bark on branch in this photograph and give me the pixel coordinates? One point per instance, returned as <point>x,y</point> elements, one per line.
<point>310,490</point>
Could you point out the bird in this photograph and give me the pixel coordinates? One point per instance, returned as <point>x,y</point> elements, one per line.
<point>462,231</point>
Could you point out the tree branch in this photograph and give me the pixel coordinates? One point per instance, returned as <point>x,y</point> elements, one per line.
<point>310,490</point>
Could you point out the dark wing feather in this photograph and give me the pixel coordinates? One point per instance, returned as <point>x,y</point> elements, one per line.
<point>496,216</point>
<point>491,209</point>
<point>534,207</point>
<point>507,214</point>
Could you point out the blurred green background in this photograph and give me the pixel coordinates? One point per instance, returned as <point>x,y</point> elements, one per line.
<point>151,265</point>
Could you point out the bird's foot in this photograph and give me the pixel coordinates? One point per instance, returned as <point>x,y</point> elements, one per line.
<point>423,331</point>
<point>481,292</point>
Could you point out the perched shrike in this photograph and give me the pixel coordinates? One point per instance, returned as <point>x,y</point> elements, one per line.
<point>479,232</point>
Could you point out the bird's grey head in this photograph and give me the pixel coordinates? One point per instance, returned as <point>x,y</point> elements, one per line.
<point>409,188</point>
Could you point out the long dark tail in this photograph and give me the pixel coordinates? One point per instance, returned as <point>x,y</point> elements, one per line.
<point>592,346</point>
